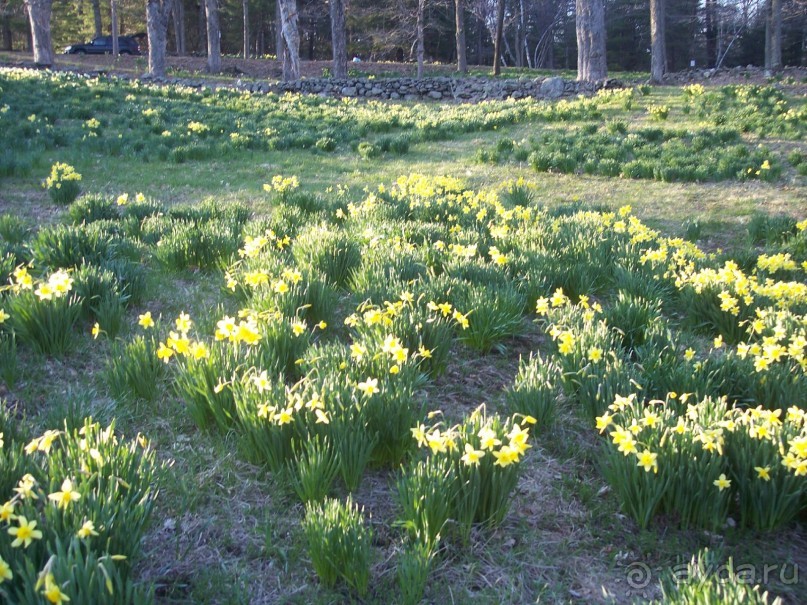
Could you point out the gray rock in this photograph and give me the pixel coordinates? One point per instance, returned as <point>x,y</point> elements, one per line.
<point>436,95</point>
<point>552,88</point>
<point>349,91</point>
<point>612,83</point>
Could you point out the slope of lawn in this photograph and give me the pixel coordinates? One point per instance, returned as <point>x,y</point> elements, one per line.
<point>385,352</point>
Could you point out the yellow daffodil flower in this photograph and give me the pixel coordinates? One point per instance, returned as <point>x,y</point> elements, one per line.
<point>5,571</point>
<point>86,530</point>
<point>472,456</point>
<point>722,482</point>
<point>24,533</point>
<point>66,496</point>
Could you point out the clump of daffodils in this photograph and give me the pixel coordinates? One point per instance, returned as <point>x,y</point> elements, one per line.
<point>483,455</point>
<point>84,504</point>
<point>663,456</point>
<point>777,338</point>
<point>63,184</point>
<point>43,312</point>
<point>282,186</point>
<point>56,286</point>
<point>198,128</point>
<point>180,343</point>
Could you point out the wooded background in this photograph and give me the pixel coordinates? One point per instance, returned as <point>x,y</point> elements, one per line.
<point>536,33</point>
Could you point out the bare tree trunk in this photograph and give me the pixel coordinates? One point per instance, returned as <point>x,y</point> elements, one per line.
<point>776,35</point>
<point>291,38</point>
<point>96,17</point>
<point>183,37</point>
<point>7,34</point>
<point>497,43</point>
<point>658,48</point>
<point>279,44</point>
<point>201,26</point>
<point>311,37</point>
<point>521,35</point>
<point>157,14</point>
<point>480,32</point>
<point>29,36</point>
<point>590,25</point>
<point>338,38</point>
<point>39,13</point>
<point>768,33</point>
<point>178,14</point>
<point>803,50</point>
<point>245,5</point>
<point>114,26</point>
<point>459,30</point>
<point>507,50</point>
<point>287,73</point>
<point>710,10</point>
<point>6,26</point>
<point>420,45</point>
<point>213,36</point>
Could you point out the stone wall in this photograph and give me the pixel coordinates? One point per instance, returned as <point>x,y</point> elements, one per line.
<point>470,90</point>
<point>443,89</point>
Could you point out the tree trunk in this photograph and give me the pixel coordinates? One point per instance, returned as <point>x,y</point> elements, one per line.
<point>521,35</point>
<point>178,15</point>
<point>113,9</point>
<point>29,36</point>
<point>157,15</point>
<point>311,39</point>
<point>213,36</point>
<point>96,17</point>
<point>459,30</point>
<point>245,5</point>
<point>507,50</point>
<point>201,26</point>
<point>420,33</point>
<point>768,31</point>
<point>183,37</point>
<point>39,13</point>
<point>480,32</point>
<point>776,35</point>
<point>497,44</point>
<point>590,26</point>
<point>279,44</point>
<point>7,37</point>
<point>658,52</point>
<point>338,38</point>
<point>291,39</point>
<point>711,32</point>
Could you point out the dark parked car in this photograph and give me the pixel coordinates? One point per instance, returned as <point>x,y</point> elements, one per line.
<point>127,45</point>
